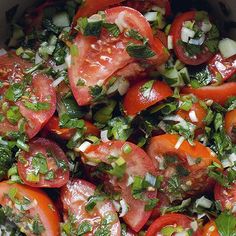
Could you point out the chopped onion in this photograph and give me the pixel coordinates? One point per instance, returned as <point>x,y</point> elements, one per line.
<point>60,67</point>
<point>124,208</point>
<point>116,205</point>
<point>203,202</point>
<point>226,163</point>
<point>179,142</point>
<point>61,19</point>
<point>170,42</point>
<point>2,52</point>
<point>161,162</point>
<point>68,60</point>
<point>194,225</point>
<point>123,86</point>
<point>38,59</point>
<point>227,47</point>
<point>104,137</point>
<point>206,26</point>
<point>191,161</point>
<point>151,16</point>
<point>95,18</point>
<point>184,233</point>
<point>232,158</point>
<point>130,181</point>
<point>186,33</point>
<point>83,146</point>
<point>56,82</point>
<point>162,125</point>
<point>120,21</point>
<point>193,116</point>
<point>198,41</point>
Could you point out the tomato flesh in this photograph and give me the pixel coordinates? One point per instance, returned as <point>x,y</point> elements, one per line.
<point>74,196</point>
<point>56,172</point>
<point>39,206</point>
<point>210,229</point>
<point>230,124</point>
<point>138,98</point>
<point>137,164</point>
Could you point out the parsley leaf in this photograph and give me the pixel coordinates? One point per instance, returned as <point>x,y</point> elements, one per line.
<point>37,106</point>
<point>226,224</point>
<point>14,92</point>
<point>140,51</point>
<point>113,29</point>
<point>147,88</point>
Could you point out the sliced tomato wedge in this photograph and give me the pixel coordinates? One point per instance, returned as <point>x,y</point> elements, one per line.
<point>45,165</point>
<point>30,206</point>
<point>219,94</point>
<point>137,163</point>
<point>210,229</point>
<point>230,124</point>
<point>179,49</point>
<point>226,196</point>
<point>145,94</point>
<point>17,93</point>
<point>222,68</point>
<point>185,164</point>
<point>174,222</point>
<point>75,196</point>
<point>99,58</point>
<point>66,133</point>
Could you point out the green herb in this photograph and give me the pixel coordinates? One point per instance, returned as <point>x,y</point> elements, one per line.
<point>136,35</point>
<point>74,51</point>
<point>174,184</point>
<point>226,224</point>
<point>182,171</point>
<point>140,51</point>
<point>97,93</point>
<point>151,204</point>
<point>39,163</point>
<point>127,149</point>
<point>105,228</point>
<point>22,145</point>
<point>50,175</point>
<point>14,92</point>
<point>67,122</point>
<point>49,26</point>
<point>84,228</point>
<point>179,208</point>
<point>14,115</point>
<point>37,226</point>
<point>113,29</point>
<point>147,88</point>
<point>92,201</point>
<point>118,168</point>
<point>39,106</point>
<point>105,113</point>
<point>201,78</point>
<point>80,83</point>
<point>12,193</point>
<point>212,40</point>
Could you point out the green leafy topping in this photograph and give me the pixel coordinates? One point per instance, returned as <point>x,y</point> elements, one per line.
<point>140,51</point>
<point>151,204</point>
<point>14,92</point>
<point>39,106</point>
<point>147,88</point>
<point>67,122</point>
<point>113,29</point>
<point>226,224</point>
<point>14,115</point>
<point>6,160</point>
<point>92,201</point>
<point>37,226</point>
<point>97,93</point>
<point>84,228</point>
<point>39,163</point>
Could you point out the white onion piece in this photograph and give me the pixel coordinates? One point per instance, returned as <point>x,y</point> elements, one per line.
<point>226,163</point>
<point>198,41</point>
<point>130,181</point>
<point>124,208</point>
<point>151,16</point>
<point>186,33</point>
<point>56,82</point>
<point>179,142</point>
<point>206,26</point>
<point>227,48</point>
<point>120,21</point>
<point>116,205</point>
<point>170,42</point>
<point>184,233</point>
<point>191,161</point>
<point>60,67</point>
<point>203,202</point>
<point>3,52</point>
<point>194,225</point>
<point>83,146</point>
<point>68,60</point>
<point>232,158</point>
<point>38,59</point>
<point>123,86</point>
<point>193,116</point>
<point>104,134</point>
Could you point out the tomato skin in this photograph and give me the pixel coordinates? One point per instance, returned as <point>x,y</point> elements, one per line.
<point>222,68</point>
<point>74,196</point>
<point>200,114</point>
<point>175,31</point>
<point>135,101</point>
<point>219,94</point>
<point>162,37</point>
<point>168,220</point>
<point>230,124</point>
<point>12,71</point>
<point>42,145</point>
<point>137,164</point>
<point>210,229</point>
<point>164,145</point>
<point>45,207</point>
<point>226,196</point>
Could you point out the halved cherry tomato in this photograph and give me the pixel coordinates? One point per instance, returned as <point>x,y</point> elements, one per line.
<point>145,94</point>
<point>222,68</point>
<point>17,92</point>
<point>199,111</point>
<point>186,164</point>
<point>210,229</point>
<point>67,133</point>
<point>162,37</point>
<point>177,222</point>
<point>163,202</point>
<point>99,58</point>
<point>219,94</point>
<point>137,163</point>
<point>34,207</point>
<point>226,196</point>
<point>230,124</point>
<point>75,196</point>
<point>179,49</point>
<point>45,165</point>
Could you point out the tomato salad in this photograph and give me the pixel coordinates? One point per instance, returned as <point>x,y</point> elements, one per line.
<point>117,118</point>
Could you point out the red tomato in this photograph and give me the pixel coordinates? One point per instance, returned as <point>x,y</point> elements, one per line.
<point>230,124</point>
<point>67,133</point>
<point>169,220</point>
<point>145,94</point>
<point>210,229</point>
<point>226,196</point>
<point>182,162</point>
<point>75,195</point>
<point>45,165</point>
<point>175,31</point>
<point>137,164</point>
<point>199,111</point>
<point>222,68</point>
<point>219,94</point>
<point>38,206</point>
<point>162,37</point>
<point>12,73</point>
<point>99,58</point>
